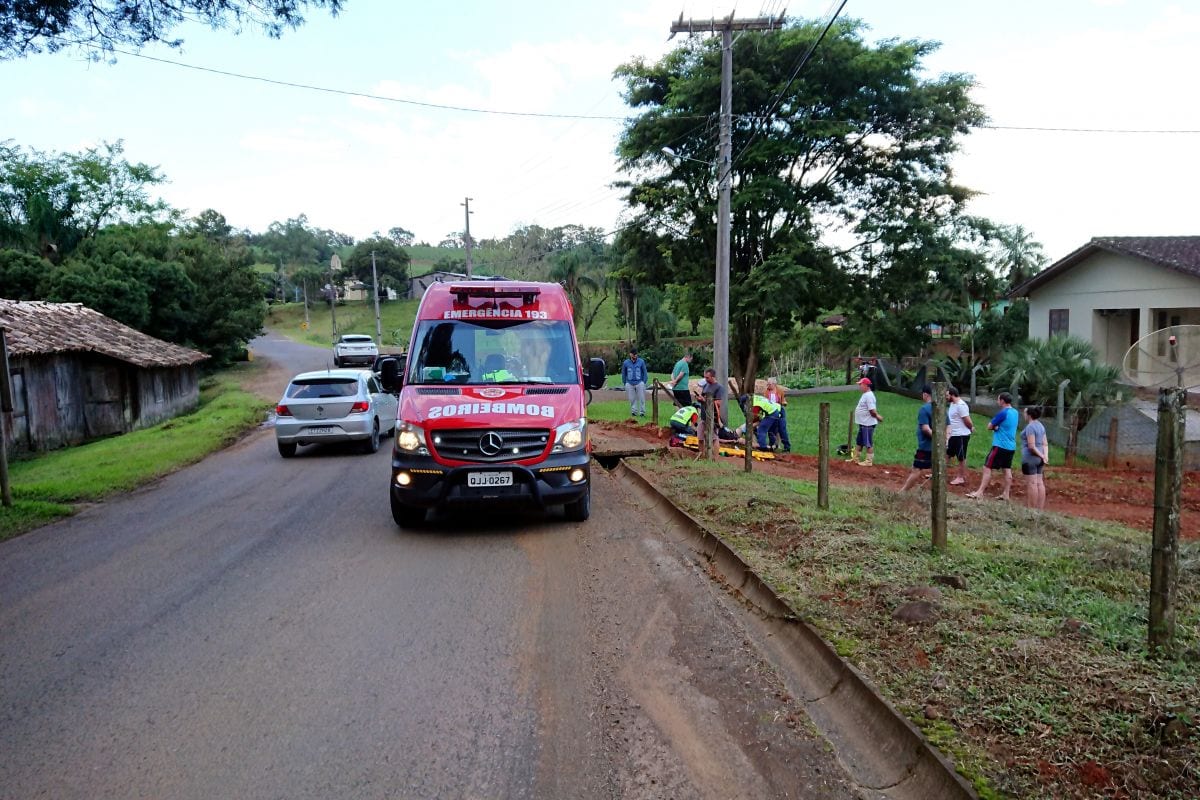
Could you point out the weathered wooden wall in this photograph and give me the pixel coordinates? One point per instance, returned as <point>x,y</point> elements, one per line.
<point>70,398</point>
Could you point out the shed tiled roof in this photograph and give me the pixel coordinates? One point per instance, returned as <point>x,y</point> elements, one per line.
<point>1178,253</point>
<point>38,328</point>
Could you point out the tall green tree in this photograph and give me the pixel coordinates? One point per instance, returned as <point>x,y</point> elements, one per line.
<point>49,203</point>
<point>391,262</point>
<point>857,144</point>
<point>31,26</point>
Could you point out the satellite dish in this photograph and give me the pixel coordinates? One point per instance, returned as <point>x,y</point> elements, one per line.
<point>1165,358</point>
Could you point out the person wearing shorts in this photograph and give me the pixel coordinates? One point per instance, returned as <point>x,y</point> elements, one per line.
<point>1004,445</point>
<point>867,417</point>
<point>1034,455</point>
<point>958,433</point>
<point>923,458</point>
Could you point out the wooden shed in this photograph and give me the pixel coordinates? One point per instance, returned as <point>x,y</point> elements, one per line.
<point>78,375</point>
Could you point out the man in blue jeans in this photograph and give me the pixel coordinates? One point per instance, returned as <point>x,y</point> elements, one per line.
<point>634,375</point>
<point>765,413</point>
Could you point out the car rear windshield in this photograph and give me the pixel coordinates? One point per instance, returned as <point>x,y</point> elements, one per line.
<point>323,387</point>
<point>465,352</point>
<point>357,340</point>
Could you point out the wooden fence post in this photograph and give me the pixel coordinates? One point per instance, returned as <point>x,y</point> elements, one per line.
<point>850,436</point>
<point>823,456</point>
<point>1168,489</point>
<point>1113,428</point>
<point>937,489</point>
<point>6,407</point>
<point>654,403</point>
<point>706,445</point>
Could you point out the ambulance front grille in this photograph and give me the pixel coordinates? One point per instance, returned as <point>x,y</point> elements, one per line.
<point>489,445</point>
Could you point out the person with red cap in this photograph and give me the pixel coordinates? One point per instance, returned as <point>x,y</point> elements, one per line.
<point>867,417</point>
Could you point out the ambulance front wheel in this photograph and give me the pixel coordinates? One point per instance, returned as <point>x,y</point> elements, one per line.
<point>581,509</point>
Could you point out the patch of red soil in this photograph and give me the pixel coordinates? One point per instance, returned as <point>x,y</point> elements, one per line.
<point>1124,495</point>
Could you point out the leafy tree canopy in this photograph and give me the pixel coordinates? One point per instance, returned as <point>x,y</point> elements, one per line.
<point>49,203</point>
<point>855,149</point>
<point>31,26</point>
<point>391,262</point>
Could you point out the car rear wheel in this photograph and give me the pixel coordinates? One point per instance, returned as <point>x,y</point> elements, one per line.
<point>371,445</point>
<point>337,362</point>
<point>407,516</point>
<point>580,509</point>
<point>287,449</point>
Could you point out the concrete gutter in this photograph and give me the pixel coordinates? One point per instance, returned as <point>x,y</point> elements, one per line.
<point>884,752</point>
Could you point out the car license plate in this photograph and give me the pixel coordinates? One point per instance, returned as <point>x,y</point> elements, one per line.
<point>319,429</point>
<point>489,479</point>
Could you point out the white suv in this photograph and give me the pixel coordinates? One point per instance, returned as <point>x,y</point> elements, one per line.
<point>354,348</point>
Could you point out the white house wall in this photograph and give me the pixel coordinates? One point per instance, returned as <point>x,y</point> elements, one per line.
<point>1110,281</point>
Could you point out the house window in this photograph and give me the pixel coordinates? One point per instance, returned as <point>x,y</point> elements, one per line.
<point>1059,321</point>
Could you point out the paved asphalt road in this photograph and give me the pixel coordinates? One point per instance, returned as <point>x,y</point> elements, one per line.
<point>255,627</point>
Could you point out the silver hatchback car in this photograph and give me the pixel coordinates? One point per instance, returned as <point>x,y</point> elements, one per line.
<point>336,405</point>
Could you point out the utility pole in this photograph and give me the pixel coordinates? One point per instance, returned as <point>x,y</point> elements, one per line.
<point>466,204</point>
<point>375,289</point>
<point>724,169</point>
<point>335,264</point>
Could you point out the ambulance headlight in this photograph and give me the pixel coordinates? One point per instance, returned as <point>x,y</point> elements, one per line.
<point>410,438</point>
<point>570,436</point>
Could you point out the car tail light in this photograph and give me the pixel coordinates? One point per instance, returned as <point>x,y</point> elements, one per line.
<point>361,405</point>
<point>282,411</point>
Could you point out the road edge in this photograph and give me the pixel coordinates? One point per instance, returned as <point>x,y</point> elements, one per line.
<point>879,747</point>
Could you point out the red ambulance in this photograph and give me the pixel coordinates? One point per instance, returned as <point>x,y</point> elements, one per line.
<point>492,402</point>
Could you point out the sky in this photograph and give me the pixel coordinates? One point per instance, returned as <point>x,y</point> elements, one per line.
<point>1064,83</point>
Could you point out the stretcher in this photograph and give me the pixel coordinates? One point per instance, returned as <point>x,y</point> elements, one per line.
<point>726,449</point>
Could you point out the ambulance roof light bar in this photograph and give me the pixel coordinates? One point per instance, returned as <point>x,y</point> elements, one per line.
<point>527,293</point>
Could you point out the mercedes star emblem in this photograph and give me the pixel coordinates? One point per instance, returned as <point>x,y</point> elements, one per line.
<point>490,443</point>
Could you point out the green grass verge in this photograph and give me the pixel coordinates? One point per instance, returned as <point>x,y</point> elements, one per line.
<point>895,437</point>
<point>1035,678</point>
<point>45,486</point>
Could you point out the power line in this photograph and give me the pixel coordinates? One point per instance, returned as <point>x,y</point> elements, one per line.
<point>364,95</point>
<point>549,115</point>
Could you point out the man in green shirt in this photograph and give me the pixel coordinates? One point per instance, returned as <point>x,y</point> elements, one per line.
<point>680,375</point>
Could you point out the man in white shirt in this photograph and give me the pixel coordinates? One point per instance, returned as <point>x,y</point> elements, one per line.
<point>867,418</point>
<point>958,433</point>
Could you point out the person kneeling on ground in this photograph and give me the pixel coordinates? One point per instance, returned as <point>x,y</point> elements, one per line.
<point>683,421</point>
<point>763,412</point>
<point>923,459</point>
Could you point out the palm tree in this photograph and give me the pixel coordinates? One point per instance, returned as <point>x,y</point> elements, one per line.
<point>1037,367</point>
<point>1016,254</point>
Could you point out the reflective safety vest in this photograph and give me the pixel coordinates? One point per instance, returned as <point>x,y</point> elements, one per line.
<point>499,375</point>
<point>765,406</point>
<point>685,415</point>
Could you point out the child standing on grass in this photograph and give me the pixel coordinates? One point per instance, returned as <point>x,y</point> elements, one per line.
<point>1034,456</point>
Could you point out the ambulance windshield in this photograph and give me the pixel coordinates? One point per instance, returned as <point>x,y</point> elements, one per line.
<point>466,352</point>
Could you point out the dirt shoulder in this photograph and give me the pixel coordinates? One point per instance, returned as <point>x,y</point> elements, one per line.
<point>1125,496</point>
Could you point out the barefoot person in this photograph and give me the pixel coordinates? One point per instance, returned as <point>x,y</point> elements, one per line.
<point>958,433</point>
<point>1035,453</point>
<point>1004,445</point>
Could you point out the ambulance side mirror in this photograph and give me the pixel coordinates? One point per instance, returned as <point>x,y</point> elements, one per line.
<point>390,372</point>
<point>594,375</point>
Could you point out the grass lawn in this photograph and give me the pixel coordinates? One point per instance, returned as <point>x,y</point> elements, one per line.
<point>45,487</point>
<point>1035,678</point>
<point>895,437</point>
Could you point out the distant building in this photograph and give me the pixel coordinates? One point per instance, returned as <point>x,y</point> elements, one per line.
<point>78,375</point>
<point>1115,290</point>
